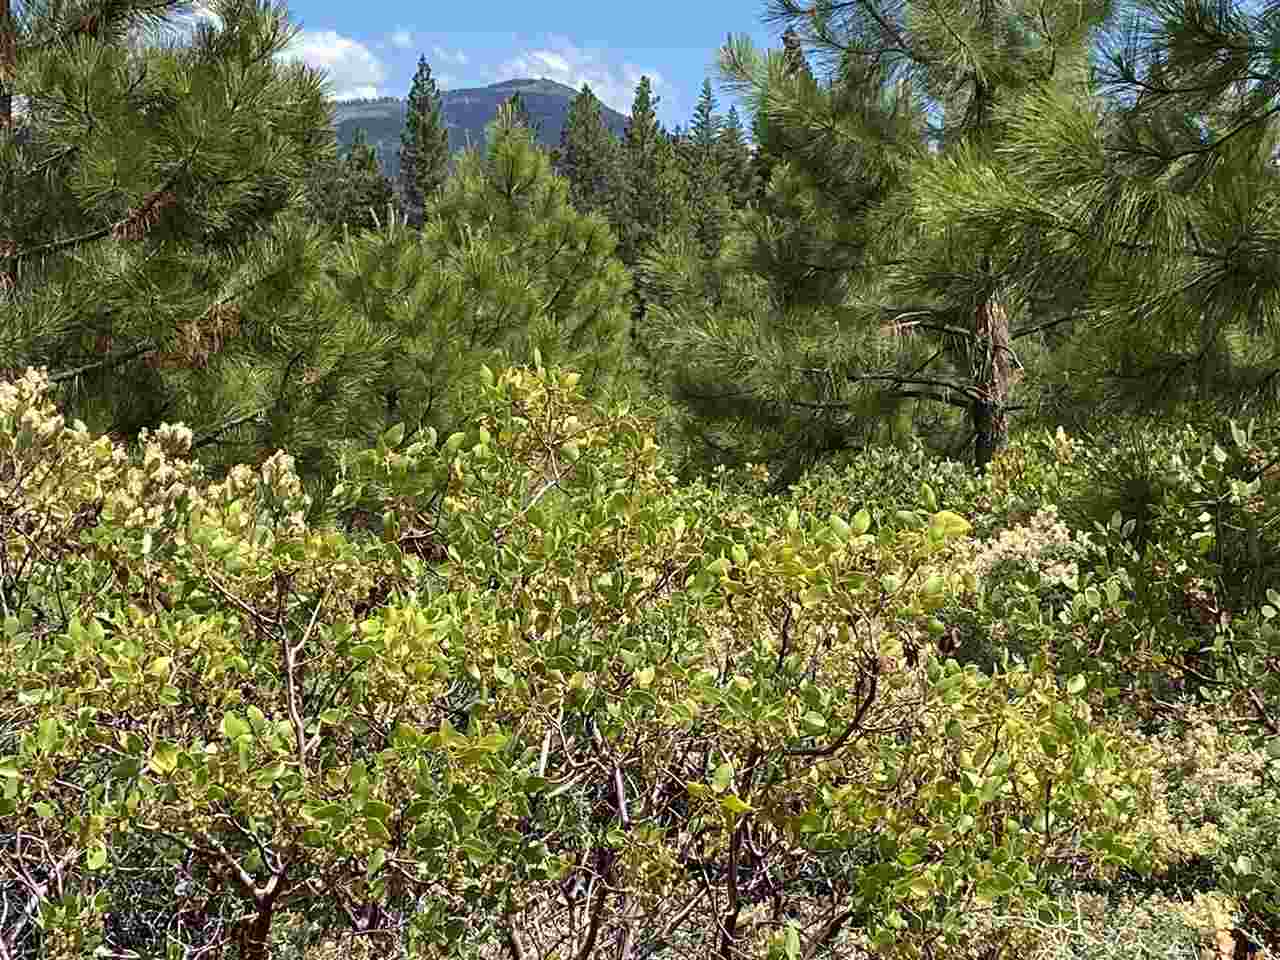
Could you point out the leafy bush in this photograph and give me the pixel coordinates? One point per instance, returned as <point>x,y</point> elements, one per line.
<point>607,710</point>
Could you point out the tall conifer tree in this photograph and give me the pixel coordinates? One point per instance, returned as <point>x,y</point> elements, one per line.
<point>1136,206</point>
<point>735,160</point>
<point>352,192</point>
<point>702,160</point>
<point>653,188</point>
<point>865,302</point>
<point>424,144</point>
<point>588,156</point>
<point>149,247</point>
<point>521,115</point>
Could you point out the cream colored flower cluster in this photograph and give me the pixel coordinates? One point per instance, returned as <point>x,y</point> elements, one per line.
<point>1045,543</point>
<point>54,471</point>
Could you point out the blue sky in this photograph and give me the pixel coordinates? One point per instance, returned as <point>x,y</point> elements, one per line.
<point>372,48</point>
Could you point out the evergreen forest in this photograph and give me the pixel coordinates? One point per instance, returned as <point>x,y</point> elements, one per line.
<point>845,525</point>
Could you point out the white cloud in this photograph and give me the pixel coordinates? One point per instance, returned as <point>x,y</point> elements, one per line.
<point>353,69</point>
<point>455,57</point>
<point>202,11</point>
<point>402,39</point>
<point>176,28</point>
<point>613,84</point>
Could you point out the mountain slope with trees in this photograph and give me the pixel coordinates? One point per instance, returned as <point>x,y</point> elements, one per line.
<point>467,111</point>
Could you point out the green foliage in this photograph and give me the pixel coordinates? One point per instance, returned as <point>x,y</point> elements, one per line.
<point>701,154</point>
<point>353,192</point>
<point>870,308</point>
<point>521,115</point>
<point>598,666</point>
<point>424,144</point>
<point>428,308</point>
<point>735,160</point>
<point>147,214</point>
<point>1129,202</point>
<point>652,188</point>
<point>588,156</point>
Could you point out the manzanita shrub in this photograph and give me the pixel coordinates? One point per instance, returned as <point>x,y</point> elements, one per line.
<point>552,704</point>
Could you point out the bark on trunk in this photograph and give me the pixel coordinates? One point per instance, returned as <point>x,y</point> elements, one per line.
<point>994,380</point>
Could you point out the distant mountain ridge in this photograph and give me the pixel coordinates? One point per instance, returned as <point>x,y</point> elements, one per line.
<point>466,114</point>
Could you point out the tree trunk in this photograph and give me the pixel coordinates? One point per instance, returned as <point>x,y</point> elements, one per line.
<point>255,934</point>
<point>993,379</point>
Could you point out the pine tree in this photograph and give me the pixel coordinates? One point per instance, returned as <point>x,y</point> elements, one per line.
<point>150,250</point>
<point>352,192</point>
<point>520,111</point>
<point>735,160</point>
<point>8,63</point>
<point>867,303</point>
<point>503,266</point>
<point>588,155</point>
<point>708,199</point>
<point>653,189</point>
<point>767,153</point>
<point>1135,206</point>
<point>424,144</point>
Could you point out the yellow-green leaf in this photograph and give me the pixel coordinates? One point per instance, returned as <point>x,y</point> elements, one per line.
<point>949,524</point>
<point>164,758</point>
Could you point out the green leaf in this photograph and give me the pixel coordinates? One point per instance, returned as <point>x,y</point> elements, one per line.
<point>949,524</point>
<point>734,804</point>
<point>47,734</point>
<point>838,526</point>
<point>332,811</point>
<point>377,830</point>
<point>928,497</point>
<point>257,719</point>
<point>1076,684</point>
<point>791,941</point>
<point>378,810</point>
<point>1239,436</point>
<point>722,778</point>
<point>921,886</point>
<point>96,856</point>
<point>861,522</point>
<point>164,758</point>
<point>418,808</point>
<point>233,727</point>
<point>815,722</point>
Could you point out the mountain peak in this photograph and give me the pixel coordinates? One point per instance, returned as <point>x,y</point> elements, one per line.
<point>467,111</point>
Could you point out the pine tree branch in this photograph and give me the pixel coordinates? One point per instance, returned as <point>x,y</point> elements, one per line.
<point>146,347</point>
<point>901,381</point>
<point>937,398</point>
<point>1047,325</point>
<point>54,246</point>
<point>213,435</point>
